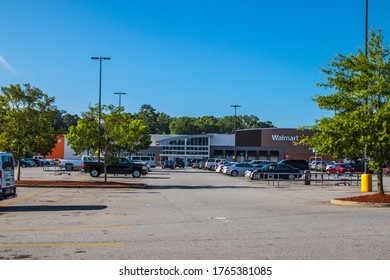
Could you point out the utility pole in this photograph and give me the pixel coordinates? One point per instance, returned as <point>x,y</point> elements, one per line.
<point>235,128</point>
<point>100,101</point>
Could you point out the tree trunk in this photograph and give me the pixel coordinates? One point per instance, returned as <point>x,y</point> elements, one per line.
<point>380,189</point>
<point>105,172</point>
<point>18,177</point>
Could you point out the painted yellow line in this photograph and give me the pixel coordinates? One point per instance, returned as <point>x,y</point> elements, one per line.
<point>12,200</point>
<point>63,228</point>
<point>63,245</point>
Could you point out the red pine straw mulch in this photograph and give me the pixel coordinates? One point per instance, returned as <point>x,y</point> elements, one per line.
<point>371,198</point>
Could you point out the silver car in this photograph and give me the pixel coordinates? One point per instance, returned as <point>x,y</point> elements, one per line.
<point>237,169</point>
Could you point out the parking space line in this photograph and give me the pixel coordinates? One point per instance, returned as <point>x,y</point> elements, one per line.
<point>25,197</point>
<point>63,245</point>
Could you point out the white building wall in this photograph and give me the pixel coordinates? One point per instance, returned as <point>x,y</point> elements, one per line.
<point>222,140</point>
<point>68,152</point>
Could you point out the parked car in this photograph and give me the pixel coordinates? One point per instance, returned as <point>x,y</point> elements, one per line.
<point>37,161</point>
<point>339,168</point>
<point>195,162</point>
<point>70,164</point>
<point>259,161</point>
<point>44,161</point>
<point>279,171</point>
<point>237,169</point>
<point>222,165</point>
<point>202,164</point>
<point>169,163</point>
<point>179,163</point>
<point>121,166</point>
<point>218,164</point>
<point>257,167</point>
<point>24,162</point>
<point>211,163</point>
<point>147,163</point>
<point>7,176</point>
<point>297,163</point>
<point>321,166</point>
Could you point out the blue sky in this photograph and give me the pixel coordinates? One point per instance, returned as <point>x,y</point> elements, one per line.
<point>185,58</point>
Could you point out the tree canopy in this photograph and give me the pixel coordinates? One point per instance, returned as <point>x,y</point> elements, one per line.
<point>119,131</point>
<point>361,105</point>
<point>25,115</point>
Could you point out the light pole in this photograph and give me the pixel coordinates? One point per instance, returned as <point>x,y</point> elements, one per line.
<point>366,53</point>
<point>100,99</point>
<point>235,128</point>
<point>120,95</point>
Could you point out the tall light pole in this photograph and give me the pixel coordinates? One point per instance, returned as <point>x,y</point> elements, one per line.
<point>366,37</point>
<point>366,53</point>
<point>120,94</point>
<point>100,99</point>
<point>235,128</point>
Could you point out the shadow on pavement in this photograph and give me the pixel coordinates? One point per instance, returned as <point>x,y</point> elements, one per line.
<point>39,208</point>
<point>195,187</point>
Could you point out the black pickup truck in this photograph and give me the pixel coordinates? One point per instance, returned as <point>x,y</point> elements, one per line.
<point>122,166</point>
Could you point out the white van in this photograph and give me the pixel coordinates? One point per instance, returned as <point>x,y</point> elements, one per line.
<point>149,159</point>
<point>7,179</point>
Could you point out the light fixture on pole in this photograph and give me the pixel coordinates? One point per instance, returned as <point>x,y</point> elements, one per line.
<point>100,99</point>
<point>235,128</point>
<point>120,95</point>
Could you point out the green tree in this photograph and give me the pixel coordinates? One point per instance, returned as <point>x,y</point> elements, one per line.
<point>119,131</point>
<point>183,125</point>
<point>163,121</point>
<point>148,115</point>
<point>361,105</point>
<point>83,136</point>
<point>250,121</point>
<point>61,121</point>
<point>133,135</point>
<point>25,115</point>
<point>207,124</point>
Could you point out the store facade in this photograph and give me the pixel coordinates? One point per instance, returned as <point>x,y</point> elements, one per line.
<point>260,143</point>
<point>272,144</point>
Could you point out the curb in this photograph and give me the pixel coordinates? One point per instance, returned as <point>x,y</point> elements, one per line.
<point>83,186</point>
<point>358,204</point>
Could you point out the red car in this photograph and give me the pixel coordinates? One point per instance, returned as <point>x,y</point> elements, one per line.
<point>339,168</point>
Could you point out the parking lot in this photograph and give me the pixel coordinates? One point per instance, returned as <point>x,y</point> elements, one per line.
<point>189,214</point>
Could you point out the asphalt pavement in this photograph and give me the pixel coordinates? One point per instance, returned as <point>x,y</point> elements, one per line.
<point>190,214</point>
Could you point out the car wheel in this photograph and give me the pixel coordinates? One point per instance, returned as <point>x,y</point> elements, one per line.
<point>94,173</point>
<point>234,173</point>
<point>256,176</point>
<point>23,165</point>
<point>136,174</point>
<point>291,176</point>
<point>69,167</point>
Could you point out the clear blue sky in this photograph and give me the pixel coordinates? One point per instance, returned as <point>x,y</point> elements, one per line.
<point>185,58</point>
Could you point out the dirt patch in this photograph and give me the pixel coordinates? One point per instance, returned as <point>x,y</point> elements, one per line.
<point>41,183</point>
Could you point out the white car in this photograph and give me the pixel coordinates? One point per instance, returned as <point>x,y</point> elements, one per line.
<point>237,169</point>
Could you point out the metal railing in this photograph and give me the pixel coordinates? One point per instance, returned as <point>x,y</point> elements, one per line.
<point>309,177</point>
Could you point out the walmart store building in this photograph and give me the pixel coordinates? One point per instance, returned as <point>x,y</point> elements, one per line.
<point>260,143</point>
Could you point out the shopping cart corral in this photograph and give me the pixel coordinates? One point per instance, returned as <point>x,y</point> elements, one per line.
<point>345,179</point>
<point>55,169</point>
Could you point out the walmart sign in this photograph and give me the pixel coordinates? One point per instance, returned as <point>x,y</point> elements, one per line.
<point>285,138</point>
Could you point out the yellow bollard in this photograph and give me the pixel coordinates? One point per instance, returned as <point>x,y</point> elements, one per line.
<point>366,185</point>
